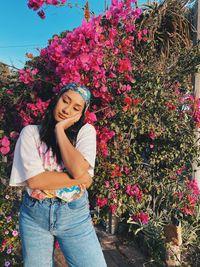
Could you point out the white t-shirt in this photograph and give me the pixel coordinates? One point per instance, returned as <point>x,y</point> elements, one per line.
<point>30,159</point>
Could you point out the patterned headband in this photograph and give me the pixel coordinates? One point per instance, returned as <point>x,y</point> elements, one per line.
<point>82,90</point>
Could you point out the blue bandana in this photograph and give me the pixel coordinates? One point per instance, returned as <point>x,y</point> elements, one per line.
<point>82,90</point>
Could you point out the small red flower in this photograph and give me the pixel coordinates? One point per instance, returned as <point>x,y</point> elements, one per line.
<point>29,55</point>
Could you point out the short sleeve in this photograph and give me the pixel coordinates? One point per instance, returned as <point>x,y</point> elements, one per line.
<point>86,145</point>
<point>27,162</point>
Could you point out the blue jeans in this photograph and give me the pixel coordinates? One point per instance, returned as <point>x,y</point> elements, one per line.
<point>41,222</point>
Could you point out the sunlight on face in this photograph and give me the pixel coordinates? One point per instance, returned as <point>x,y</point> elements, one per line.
<point>69,104</point>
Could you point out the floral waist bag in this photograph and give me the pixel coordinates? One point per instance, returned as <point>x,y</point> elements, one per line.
<point>68,193</point>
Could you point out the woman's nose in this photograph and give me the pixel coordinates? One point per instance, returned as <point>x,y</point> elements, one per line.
<point>66,110</point>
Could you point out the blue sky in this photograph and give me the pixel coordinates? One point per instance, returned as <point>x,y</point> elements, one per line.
<point>22,31</point>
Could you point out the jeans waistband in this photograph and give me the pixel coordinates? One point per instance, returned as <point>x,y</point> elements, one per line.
<point>51,200</point>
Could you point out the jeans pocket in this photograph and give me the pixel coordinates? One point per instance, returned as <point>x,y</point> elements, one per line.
<point>29,202</point>
<point>79,203</point>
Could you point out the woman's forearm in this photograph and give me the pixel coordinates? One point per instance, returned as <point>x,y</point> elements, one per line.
<point>72,158</point>
<point>50,180</point>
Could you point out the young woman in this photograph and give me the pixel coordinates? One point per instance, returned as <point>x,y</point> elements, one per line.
<point>55,162</point>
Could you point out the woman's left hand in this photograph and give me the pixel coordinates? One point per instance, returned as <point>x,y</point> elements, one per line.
<point>66,123</point>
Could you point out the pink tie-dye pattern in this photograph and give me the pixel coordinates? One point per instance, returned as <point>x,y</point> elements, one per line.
<point>49,161</point>
<point>50,164</point>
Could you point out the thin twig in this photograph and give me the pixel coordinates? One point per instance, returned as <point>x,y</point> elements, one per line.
<point>11,66</point>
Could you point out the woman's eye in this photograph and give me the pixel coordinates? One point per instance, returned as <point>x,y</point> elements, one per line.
<point>76,109</point>
<point>65,101</point>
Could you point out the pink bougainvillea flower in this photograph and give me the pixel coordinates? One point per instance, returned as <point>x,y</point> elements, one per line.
<point>179,171</point>
<point>126,170</point>
<point>38,108</point>
<point>90,117</point>
<point>27,76</point>
<point>41,14</point>
<point>136,101</point>
<point>102,146</point>
<point>106,134</point>
<point>113,194</point>
<point>177,85</point>
<point>134,191</point>
<point>117,171</point>
<point>101,202</point>
<point>188,210</point>
<point>192,185</point>
<point>124,65</point>
<point>141,35</point>
<point>14,135</point>
<point>5,145</point>
<point>180,195</point>
<point>103,138</point>
<point>170,106</point>
<point>191,200</point>
<point>137,12</point>
<point>152,135</point>
<point>4,150</point>
<point>113,208</point>
<point>5,142</point>
<point>9,91</point>
<point>3,245</point>
<point>128,102</point>
<point>35,4</point>
<point>116,185</point>
<point>143,217</point>
<point>26,119</point>
<point>34,71</point>
<point>107,184</point>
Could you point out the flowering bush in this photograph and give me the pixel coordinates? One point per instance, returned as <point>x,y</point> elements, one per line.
<point>142,108</point>
<point>38,4</point>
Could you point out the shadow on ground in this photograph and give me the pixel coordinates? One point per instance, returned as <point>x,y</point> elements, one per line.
<point>116,253</point>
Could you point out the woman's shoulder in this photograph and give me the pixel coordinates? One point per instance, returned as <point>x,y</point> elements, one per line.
<point>87,130</point>
<point>30,130</point>
<point>88,127</point>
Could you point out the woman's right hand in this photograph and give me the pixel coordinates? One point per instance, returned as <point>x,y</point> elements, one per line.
<point>66,123</point>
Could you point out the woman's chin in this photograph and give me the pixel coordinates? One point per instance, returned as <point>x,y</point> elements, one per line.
<point>58,119</point>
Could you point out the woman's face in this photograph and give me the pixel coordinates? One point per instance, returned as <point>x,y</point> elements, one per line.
<point>69,104</point>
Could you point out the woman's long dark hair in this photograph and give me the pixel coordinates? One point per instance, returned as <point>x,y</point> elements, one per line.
<point>47,128</point>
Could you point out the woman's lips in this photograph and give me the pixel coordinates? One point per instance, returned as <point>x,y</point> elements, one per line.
<point>61,116</point>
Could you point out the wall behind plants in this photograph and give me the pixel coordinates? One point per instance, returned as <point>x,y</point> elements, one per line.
<point>139,71</point>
